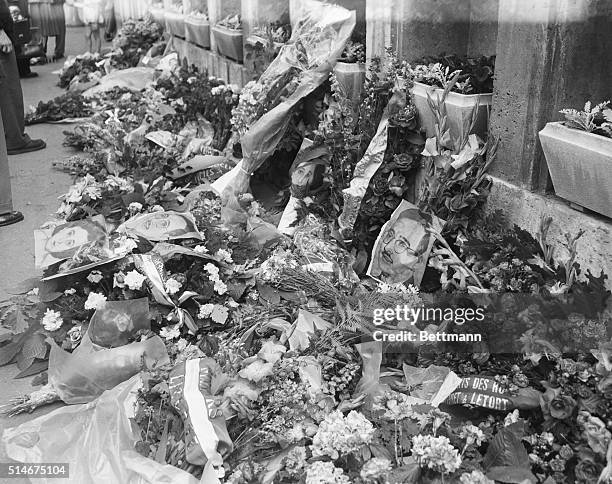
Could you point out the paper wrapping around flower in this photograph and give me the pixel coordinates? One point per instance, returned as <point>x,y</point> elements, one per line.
<point>363,173</point>
<point>114,323</point>
<point>304,328</point>
<point>402,249</point>
<point>162,226</point>
<point>62,242</point>
<point>206,436</point>
<point>83,375</point>
<point>316,43</point>
<point>80,435</point>
<point>302,174</point>
<point>434,383</point>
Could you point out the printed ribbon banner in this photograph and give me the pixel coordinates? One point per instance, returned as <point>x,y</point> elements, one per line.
<point>481,391</point>
<point>152,266</point>
<point>206,436</point>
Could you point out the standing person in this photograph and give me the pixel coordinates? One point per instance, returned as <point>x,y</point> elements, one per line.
<point>11,96</point>
<point>48,15</point>
<point>7,214</point>
<point>93,17</point>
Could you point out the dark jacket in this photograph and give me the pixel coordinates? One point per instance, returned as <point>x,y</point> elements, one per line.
<point>6,21</point>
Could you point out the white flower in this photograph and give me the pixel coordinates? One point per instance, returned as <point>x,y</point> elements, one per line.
<point>225,255</point>
<point>205,311</point>
<point>95,277</point>
<point>475,477</point>
<point>134,280</point>
<point>70,292</point>
<point>181,344</point>
<point>170,332</point>
<point>220,287</point>
<point>124,245</point>
<point>119,280</point>
<point>172,286</point>
<point>52,320</point>
<point>435,453</point>
<point>157,208</point>
<point>75,333</point>
<point>511,418</point>
<point>271,351</point>
<point>122,184</point>
<point>200,249</point>
<point>338,435</point>
<point>231,303</point>
<point>375,468</point>
<point>472,435</point>
<point>212,270</point>
<point>135,207</point>
<point>95,300</point>
<point>256,371</point>
<point>325,473</point>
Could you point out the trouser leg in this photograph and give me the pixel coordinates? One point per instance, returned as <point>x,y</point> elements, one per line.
<point>11,103</point>
<point>60,43</point>
<point>6,197</point>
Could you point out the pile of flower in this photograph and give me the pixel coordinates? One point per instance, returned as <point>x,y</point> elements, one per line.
<point>298,387</point>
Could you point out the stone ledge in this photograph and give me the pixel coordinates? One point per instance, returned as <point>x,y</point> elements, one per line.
<point>221,67</point>
<point>526,209</point>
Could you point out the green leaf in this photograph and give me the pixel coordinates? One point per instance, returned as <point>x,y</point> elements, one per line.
<point>506,449</point>
<point>511,474</point>
<point>35,368</point>
<point>35,347</point>
<point>23,362</point>
<point>8,352</point>
<point>20,324</point>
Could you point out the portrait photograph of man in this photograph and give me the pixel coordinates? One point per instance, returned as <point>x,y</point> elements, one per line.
<point>61,242</point>
<point>162,226</point>
<point>402,248</point>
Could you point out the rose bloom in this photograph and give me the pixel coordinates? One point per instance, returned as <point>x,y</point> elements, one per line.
<point>52,320</point>
<point>557,405</point>
<point>134,280</point>
<point>587,469</point>
<point>95,300</point>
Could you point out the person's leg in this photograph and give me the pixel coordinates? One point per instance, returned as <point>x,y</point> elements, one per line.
<point>11,106</point>
<point>97,39</point>
<point>11,103</point>
<point>60,40</point>
<point>88,38</point>
<point>7,215</point>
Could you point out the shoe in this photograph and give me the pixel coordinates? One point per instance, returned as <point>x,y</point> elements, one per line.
<point>32,145</point>
<point>29,75</point>
<point>10,218</point>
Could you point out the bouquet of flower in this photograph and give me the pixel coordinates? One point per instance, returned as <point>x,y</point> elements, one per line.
<point>315,44</point>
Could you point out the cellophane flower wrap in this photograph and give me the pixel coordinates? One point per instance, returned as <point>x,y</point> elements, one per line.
<point>302,65</point>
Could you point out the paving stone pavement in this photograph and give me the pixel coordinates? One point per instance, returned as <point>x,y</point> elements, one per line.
<point>36,186</point>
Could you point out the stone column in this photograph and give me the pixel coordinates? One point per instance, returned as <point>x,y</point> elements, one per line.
<point>551,54</point>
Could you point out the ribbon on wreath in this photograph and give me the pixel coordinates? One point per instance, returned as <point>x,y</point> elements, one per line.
<point>152,266</point>
<point>206,438</point>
